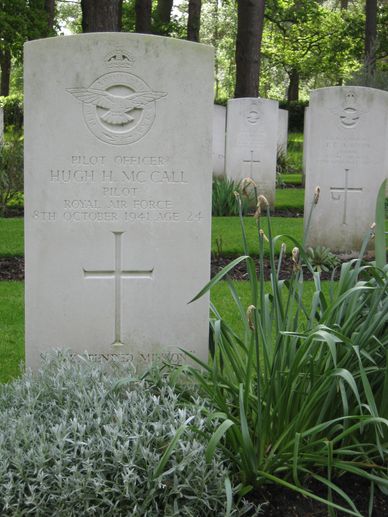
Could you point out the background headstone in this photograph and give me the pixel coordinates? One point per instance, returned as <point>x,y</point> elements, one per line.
<point>117,196</point>
<point>251,142</point>
<point>219,127</point>
<point>283,131</point>
<point>347,158</point>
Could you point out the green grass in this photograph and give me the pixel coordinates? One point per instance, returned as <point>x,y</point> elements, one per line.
<point>228,231</point>
<point>12,318</point>
<point>295,151</point>
<point>11,237</point>
<point>228,228</point>
<point>224,303</point>
<point>11,329</point>
<point>293,179</point>
<point>290,198</point>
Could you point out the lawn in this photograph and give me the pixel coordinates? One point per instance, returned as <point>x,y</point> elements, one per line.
<point>225,228</point>
<point>11,237</point>
<point>12,318</point>
<point>295,152</point>
<point>11,329</point>
<point>226,233</point>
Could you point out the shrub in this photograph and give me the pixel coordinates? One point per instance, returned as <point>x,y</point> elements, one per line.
<point>303,392</point>
<point>322,259</point>
<point>224,200</point>
<point>11,173</point>
<point>295,114</point>
<point>13,111</point>
<point>75,441</point>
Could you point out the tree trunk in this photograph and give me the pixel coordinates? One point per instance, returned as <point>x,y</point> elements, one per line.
<point>49,6</point>
<point>101,15</point>
<point>248,47</point>
<point>194,20</point>
<point>5,65</point>
<point>344,4</point>
<point>370,36</point>
<point>143,10</point>
<point>293,87</point>
<point>163,10</point>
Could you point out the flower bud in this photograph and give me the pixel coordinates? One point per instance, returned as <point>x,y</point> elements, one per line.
<point>250,315</point>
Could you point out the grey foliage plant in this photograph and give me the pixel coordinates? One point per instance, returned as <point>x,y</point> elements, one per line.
<point>74,440</point>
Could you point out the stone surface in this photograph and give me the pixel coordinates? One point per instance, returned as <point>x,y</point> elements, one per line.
<point>347,158</point>
<point>251,142</point>
<point>219,128</point>
<point>117,196</point>
<point>283,131</point>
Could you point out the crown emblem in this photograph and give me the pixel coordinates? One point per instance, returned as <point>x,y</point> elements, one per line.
<point>119,59</point>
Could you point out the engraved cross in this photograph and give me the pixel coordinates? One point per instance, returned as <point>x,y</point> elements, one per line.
<point>251,162</point>
<point>117,274</point>
<point>344,190</point>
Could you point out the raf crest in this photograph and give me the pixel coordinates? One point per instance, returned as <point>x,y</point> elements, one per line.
<point>118,107</point>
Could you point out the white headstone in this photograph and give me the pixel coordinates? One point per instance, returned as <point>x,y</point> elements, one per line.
<point>283,131</point>
<point>347,158</point>
<point>118,196</point>
<point>251,142</point>
<point>219,127</point>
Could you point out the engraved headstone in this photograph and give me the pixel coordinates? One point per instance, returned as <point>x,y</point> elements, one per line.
<point>251,142</point>
<point>347,158</point>
<point>283,132</point>
<point>117,196</point>
<point>219,127</point>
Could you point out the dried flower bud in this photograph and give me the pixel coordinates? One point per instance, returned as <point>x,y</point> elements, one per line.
<point>283,247</point>
<point>295,259</point>
<point>295,254</point>
<point>373,226</point>
<point>246,182</point>
<point>262,199</point>
<point>263,235</point>
<point>250,315</point>
<point>317,191</point>
<point>236,195</point>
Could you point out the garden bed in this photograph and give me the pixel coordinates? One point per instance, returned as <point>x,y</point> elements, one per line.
<point>287,503</point>
<point>12,268</point>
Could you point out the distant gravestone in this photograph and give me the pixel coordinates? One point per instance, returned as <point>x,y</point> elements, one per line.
<point>117,196</point>
<point>346,157</point>
<point>283,131</point>
<point>251,142</point>
<point>219,127</point>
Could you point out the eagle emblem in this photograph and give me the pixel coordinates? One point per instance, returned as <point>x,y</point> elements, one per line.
<point>119,107</point>
<point>349,112</point>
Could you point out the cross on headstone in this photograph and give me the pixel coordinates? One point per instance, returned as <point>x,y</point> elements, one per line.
<point>345,190</point>
<point>117,274</point>
<point>251,162</point>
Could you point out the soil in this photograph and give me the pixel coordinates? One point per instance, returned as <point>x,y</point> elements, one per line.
<point>282,502</point>
<point>12,268</point>
<point>239,272</point>
<point>286,213</point>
